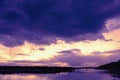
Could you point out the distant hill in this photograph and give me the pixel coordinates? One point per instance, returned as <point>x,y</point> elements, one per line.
<point>113,68</point>
<point>110,66</point>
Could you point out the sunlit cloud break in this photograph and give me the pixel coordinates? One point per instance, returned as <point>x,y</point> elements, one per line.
<point>59,32</point>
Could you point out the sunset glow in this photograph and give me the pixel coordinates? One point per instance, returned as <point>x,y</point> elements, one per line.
<point>59,33</point>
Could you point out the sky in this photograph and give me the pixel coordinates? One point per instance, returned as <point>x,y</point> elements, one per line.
<point>59,32</point>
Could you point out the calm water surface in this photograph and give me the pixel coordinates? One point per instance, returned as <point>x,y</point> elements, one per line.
<point>76,75</point>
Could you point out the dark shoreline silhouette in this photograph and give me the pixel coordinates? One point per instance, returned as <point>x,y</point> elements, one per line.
<point>34,69</point>
<point>38,69</point>
<point>113,68</point>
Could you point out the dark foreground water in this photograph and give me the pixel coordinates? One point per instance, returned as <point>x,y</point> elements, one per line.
<point>76,75</point>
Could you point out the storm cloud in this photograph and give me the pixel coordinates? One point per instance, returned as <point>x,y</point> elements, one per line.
<point>60,18</point>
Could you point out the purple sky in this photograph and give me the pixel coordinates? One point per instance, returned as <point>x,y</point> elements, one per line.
<point>59,32</point>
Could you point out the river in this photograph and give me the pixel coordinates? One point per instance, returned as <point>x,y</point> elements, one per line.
<point>86,74</point>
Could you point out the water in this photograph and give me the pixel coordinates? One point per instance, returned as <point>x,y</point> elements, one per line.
<point>76,75</point>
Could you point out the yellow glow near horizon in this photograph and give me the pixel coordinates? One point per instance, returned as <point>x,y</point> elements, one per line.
<point>113,35</point>
<point>27,51</point>
<point>25,77</point>
<point>30,51</point>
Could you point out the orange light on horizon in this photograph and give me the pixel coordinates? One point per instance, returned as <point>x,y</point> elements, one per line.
<point>30,51</point>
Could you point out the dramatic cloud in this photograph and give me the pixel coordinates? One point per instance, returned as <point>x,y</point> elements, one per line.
<point>74,59</point>
<point>114,51</point>
<point>59,32</point>
<point>54,18</point>
<point>96,58</point>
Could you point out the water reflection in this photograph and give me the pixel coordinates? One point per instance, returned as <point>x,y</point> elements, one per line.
<point>23,77</point>
<point>77,75</point>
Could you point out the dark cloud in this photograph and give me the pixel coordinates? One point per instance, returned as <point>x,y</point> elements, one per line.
<point>42,49</point>
<point>114,51</point>
<point>67,51</point>
<point>21,54</point>
<point>87,36</point>
<point>69,56</point>
<point>74,51</point>
<point>10,41</point>
<point>61,18</point>
<point>73,59</point>
<point>1,2</point>
<point>79,60</point>
<point>117,51</point>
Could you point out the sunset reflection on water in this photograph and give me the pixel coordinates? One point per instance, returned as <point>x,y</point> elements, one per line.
<point>76,75</point>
